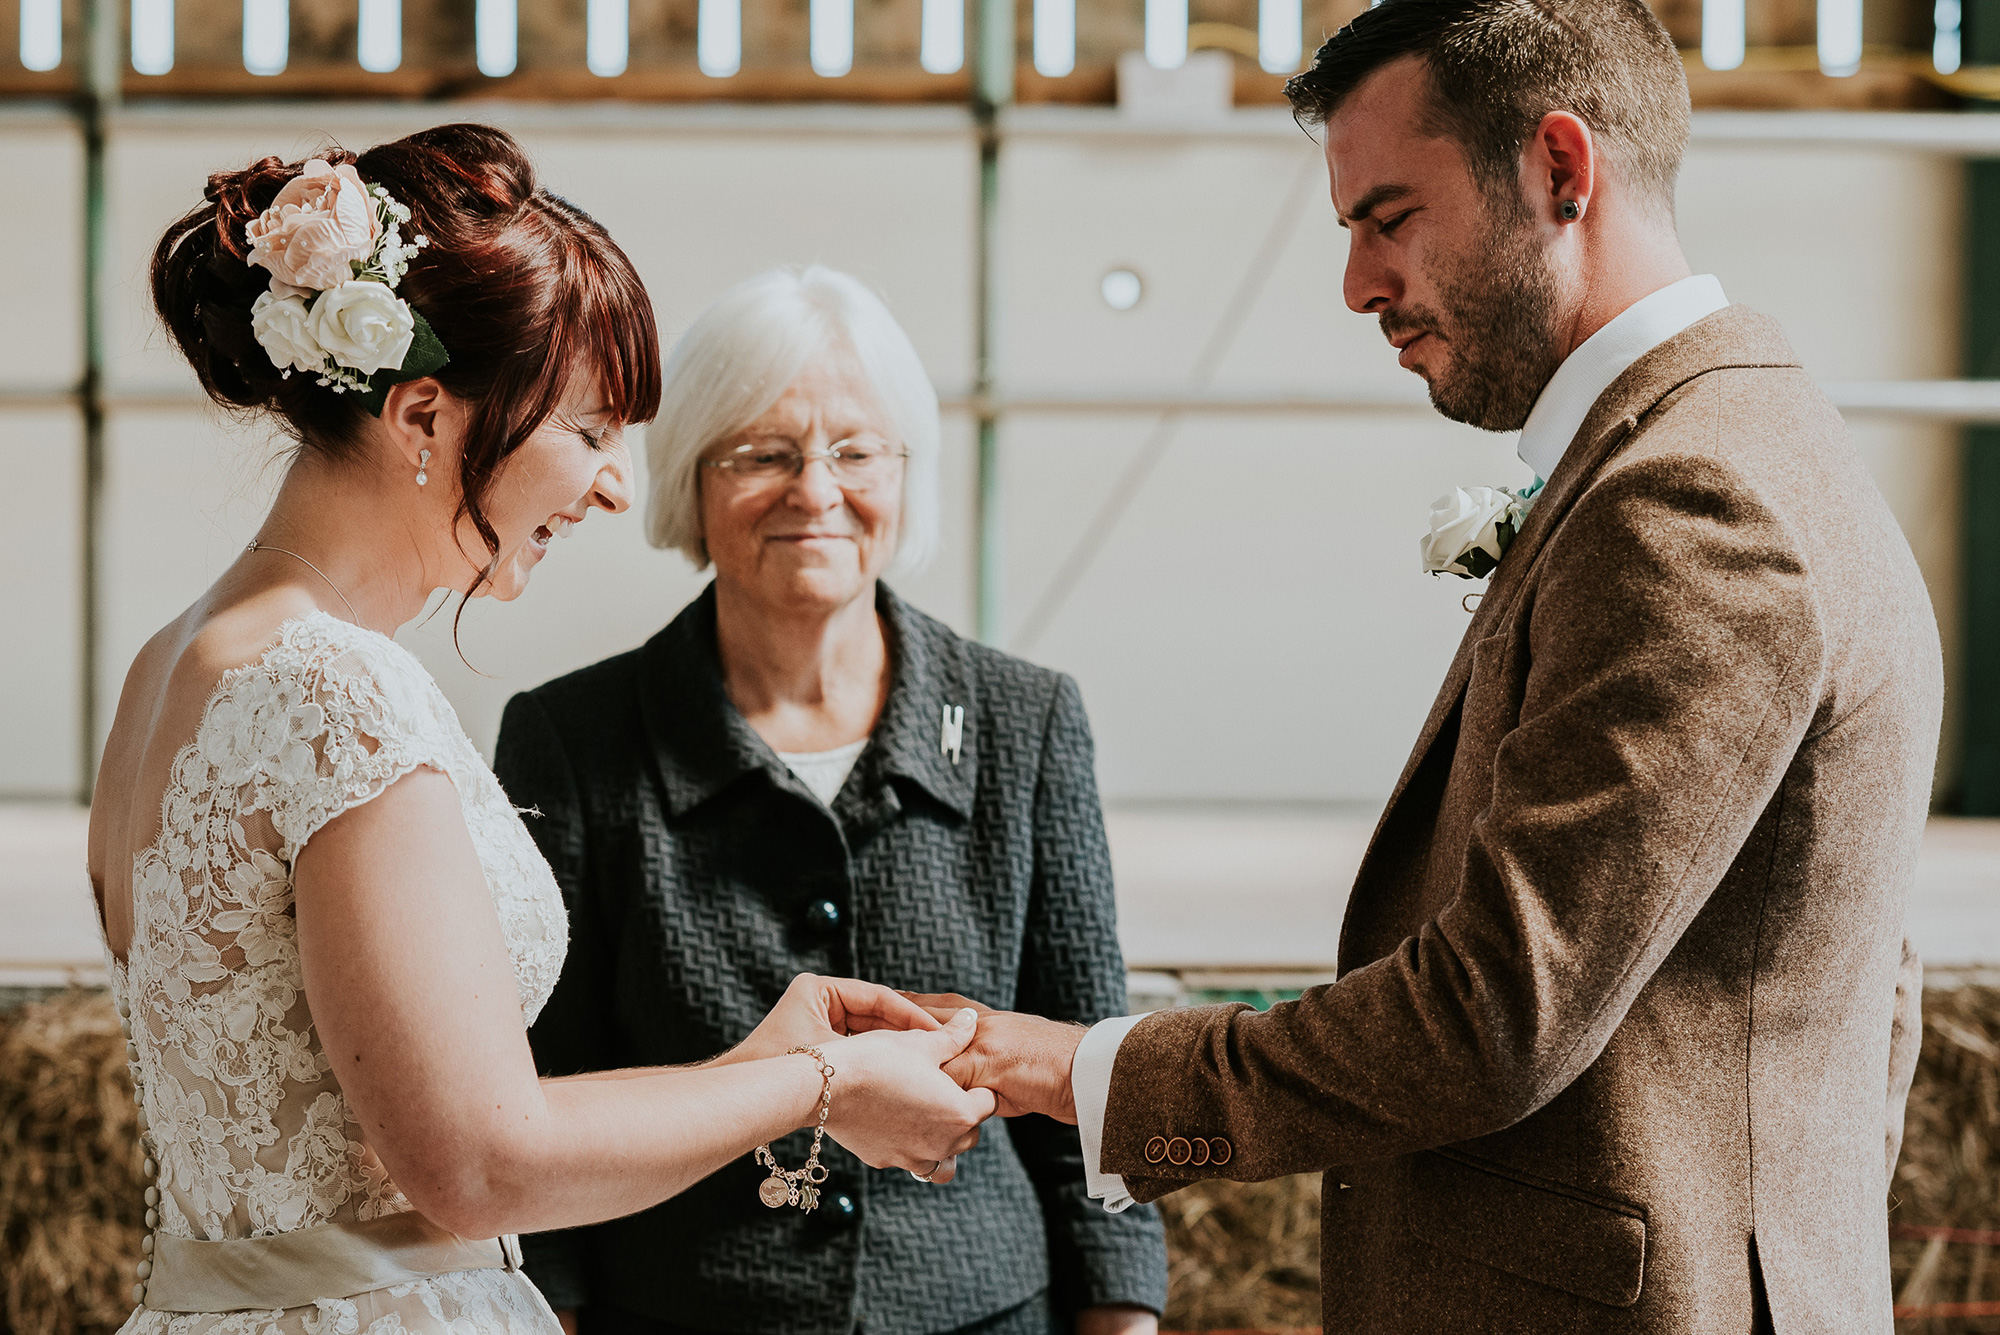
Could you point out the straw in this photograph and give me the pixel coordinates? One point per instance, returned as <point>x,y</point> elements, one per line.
<point>70,1206</point>
<point>1241,1257</point>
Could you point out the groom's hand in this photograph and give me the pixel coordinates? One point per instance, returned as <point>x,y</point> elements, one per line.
<point>1024,1059</point>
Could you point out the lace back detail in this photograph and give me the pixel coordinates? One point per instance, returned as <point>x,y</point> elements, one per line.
<point>251,1131</point>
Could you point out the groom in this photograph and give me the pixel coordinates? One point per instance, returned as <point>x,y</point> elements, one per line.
<point>1625,1021</point>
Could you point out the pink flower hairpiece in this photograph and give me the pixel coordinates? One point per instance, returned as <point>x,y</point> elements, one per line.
<point>335,251</point>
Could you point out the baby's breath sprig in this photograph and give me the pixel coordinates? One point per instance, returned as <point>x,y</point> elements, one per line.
<point>392,257</point>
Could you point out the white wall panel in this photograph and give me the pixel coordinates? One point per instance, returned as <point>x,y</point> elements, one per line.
<point>41,252</point>
<point>1856,251</point>
<point>184,490</point>
<point>1257,626</point>
<point>1190,216</point>
<point>41,603</point>
<point>697,209</point>
<point>699,213</point>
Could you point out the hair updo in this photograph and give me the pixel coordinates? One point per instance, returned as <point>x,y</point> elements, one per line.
<point>524,290</point>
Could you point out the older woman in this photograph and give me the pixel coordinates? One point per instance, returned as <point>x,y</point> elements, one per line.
<point>804,773</point>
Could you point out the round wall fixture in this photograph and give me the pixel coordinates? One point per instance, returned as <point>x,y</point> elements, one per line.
<point>1121,289</point>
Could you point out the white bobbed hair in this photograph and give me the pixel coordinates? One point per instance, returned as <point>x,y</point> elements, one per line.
<point>733,363</point>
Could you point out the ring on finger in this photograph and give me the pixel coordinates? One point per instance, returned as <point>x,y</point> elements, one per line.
<point>929,1173</point>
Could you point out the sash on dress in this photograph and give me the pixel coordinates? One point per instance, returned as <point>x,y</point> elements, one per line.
<point>338,1260</point>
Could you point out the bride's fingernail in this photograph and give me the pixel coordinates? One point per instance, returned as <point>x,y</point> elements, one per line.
<point>968,1014</point>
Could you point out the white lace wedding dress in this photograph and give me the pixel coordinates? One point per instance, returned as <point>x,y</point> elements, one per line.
<point>243,1113</point>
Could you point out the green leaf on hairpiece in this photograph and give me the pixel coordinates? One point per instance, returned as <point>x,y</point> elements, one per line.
<point>425,357</point>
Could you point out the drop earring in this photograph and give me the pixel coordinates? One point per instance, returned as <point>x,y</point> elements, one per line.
<point>423,463</point>
<point>1571,210</point>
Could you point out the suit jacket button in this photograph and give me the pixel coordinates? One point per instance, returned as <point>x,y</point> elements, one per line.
<point>1219,1151</point>
<point>1178,1151</point>
<point>1197,1152</point>
<point>1156,1149</point>
<point>823,916</point>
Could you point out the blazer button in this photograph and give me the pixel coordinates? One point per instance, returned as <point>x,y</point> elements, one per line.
<point>837,1209</point>
<point>1197,1152</point>
<point>1220,1151</point>
<point>823,916</point>
<point>1178,1151</point>
<point>1156,1149</point>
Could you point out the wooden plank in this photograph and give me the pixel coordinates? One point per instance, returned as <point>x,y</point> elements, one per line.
<point>681,84</point>
<point>1897,87</point>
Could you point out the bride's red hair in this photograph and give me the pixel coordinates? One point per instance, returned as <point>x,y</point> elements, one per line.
<point>524,289</point>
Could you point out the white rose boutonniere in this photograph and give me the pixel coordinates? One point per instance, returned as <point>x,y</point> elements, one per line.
<point>1472,527</point>
<point>363,325</point>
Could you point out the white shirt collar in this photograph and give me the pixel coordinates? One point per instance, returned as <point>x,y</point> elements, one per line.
<point>1586,373</point>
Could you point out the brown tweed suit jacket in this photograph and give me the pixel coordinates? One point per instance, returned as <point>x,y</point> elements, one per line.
<point>1625,1014</point>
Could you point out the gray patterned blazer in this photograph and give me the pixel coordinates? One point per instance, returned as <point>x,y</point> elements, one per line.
<point>701,875</point>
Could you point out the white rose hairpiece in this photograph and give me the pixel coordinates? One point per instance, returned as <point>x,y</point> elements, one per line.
<point>1472,527</point>
<point>335,250</point>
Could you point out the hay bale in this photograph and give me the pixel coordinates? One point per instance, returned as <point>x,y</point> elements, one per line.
<point>71,1213</point>
<point>1243,1256</point>
<point>1240,1256</point>
<point>1949,1174</point>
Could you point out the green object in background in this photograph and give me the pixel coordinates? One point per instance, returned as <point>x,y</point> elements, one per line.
<point>1263,999</point>
<point>1979,778</point>
<point>1979,33</point>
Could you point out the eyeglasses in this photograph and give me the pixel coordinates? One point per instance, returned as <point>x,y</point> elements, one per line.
<point>860,462</point>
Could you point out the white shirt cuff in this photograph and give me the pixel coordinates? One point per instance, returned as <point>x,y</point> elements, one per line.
<point>1090,1085</point>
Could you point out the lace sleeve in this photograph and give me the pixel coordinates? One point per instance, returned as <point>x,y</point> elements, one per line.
<point>325,722</point>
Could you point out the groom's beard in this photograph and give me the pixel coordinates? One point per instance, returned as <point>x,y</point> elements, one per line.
<point>1498,315</point>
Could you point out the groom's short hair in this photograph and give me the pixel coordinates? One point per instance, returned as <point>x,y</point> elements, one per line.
<point>1498,66</point>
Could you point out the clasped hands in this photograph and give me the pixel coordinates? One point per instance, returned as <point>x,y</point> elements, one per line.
<point>916,1074</point>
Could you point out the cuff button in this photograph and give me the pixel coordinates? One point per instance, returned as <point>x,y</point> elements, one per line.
<point>1156,1149</point>
<point>1198,1152</point>
<point>1219,1151</point>
<point>1178,1151</point>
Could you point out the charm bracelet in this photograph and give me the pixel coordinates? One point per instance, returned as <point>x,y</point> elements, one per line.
<point>800,1186</point>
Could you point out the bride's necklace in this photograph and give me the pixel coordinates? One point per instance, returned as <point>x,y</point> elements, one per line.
<point>256,546</point>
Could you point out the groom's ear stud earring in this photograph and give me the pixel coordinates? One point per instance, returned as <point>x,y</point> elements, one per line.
<point>1571,210</point>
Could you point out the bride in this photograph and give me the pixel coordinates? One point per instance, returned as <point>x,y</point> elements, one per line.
<point>327,927</point>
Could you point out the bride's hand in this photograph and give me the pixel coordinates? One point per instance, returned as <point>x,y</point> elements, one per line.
<point>814,1011</point>
<point>893,1107</point>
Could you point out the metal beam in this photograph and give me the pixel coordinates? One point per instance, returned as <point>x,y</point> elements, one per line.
<point>993,89</point>
<point>97,101</point>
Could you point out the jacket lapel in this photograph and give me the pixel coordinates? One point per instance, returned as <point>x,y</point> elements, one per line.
<point>700,742</point>
<point>1735,337</point>
<point>929,675</point>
